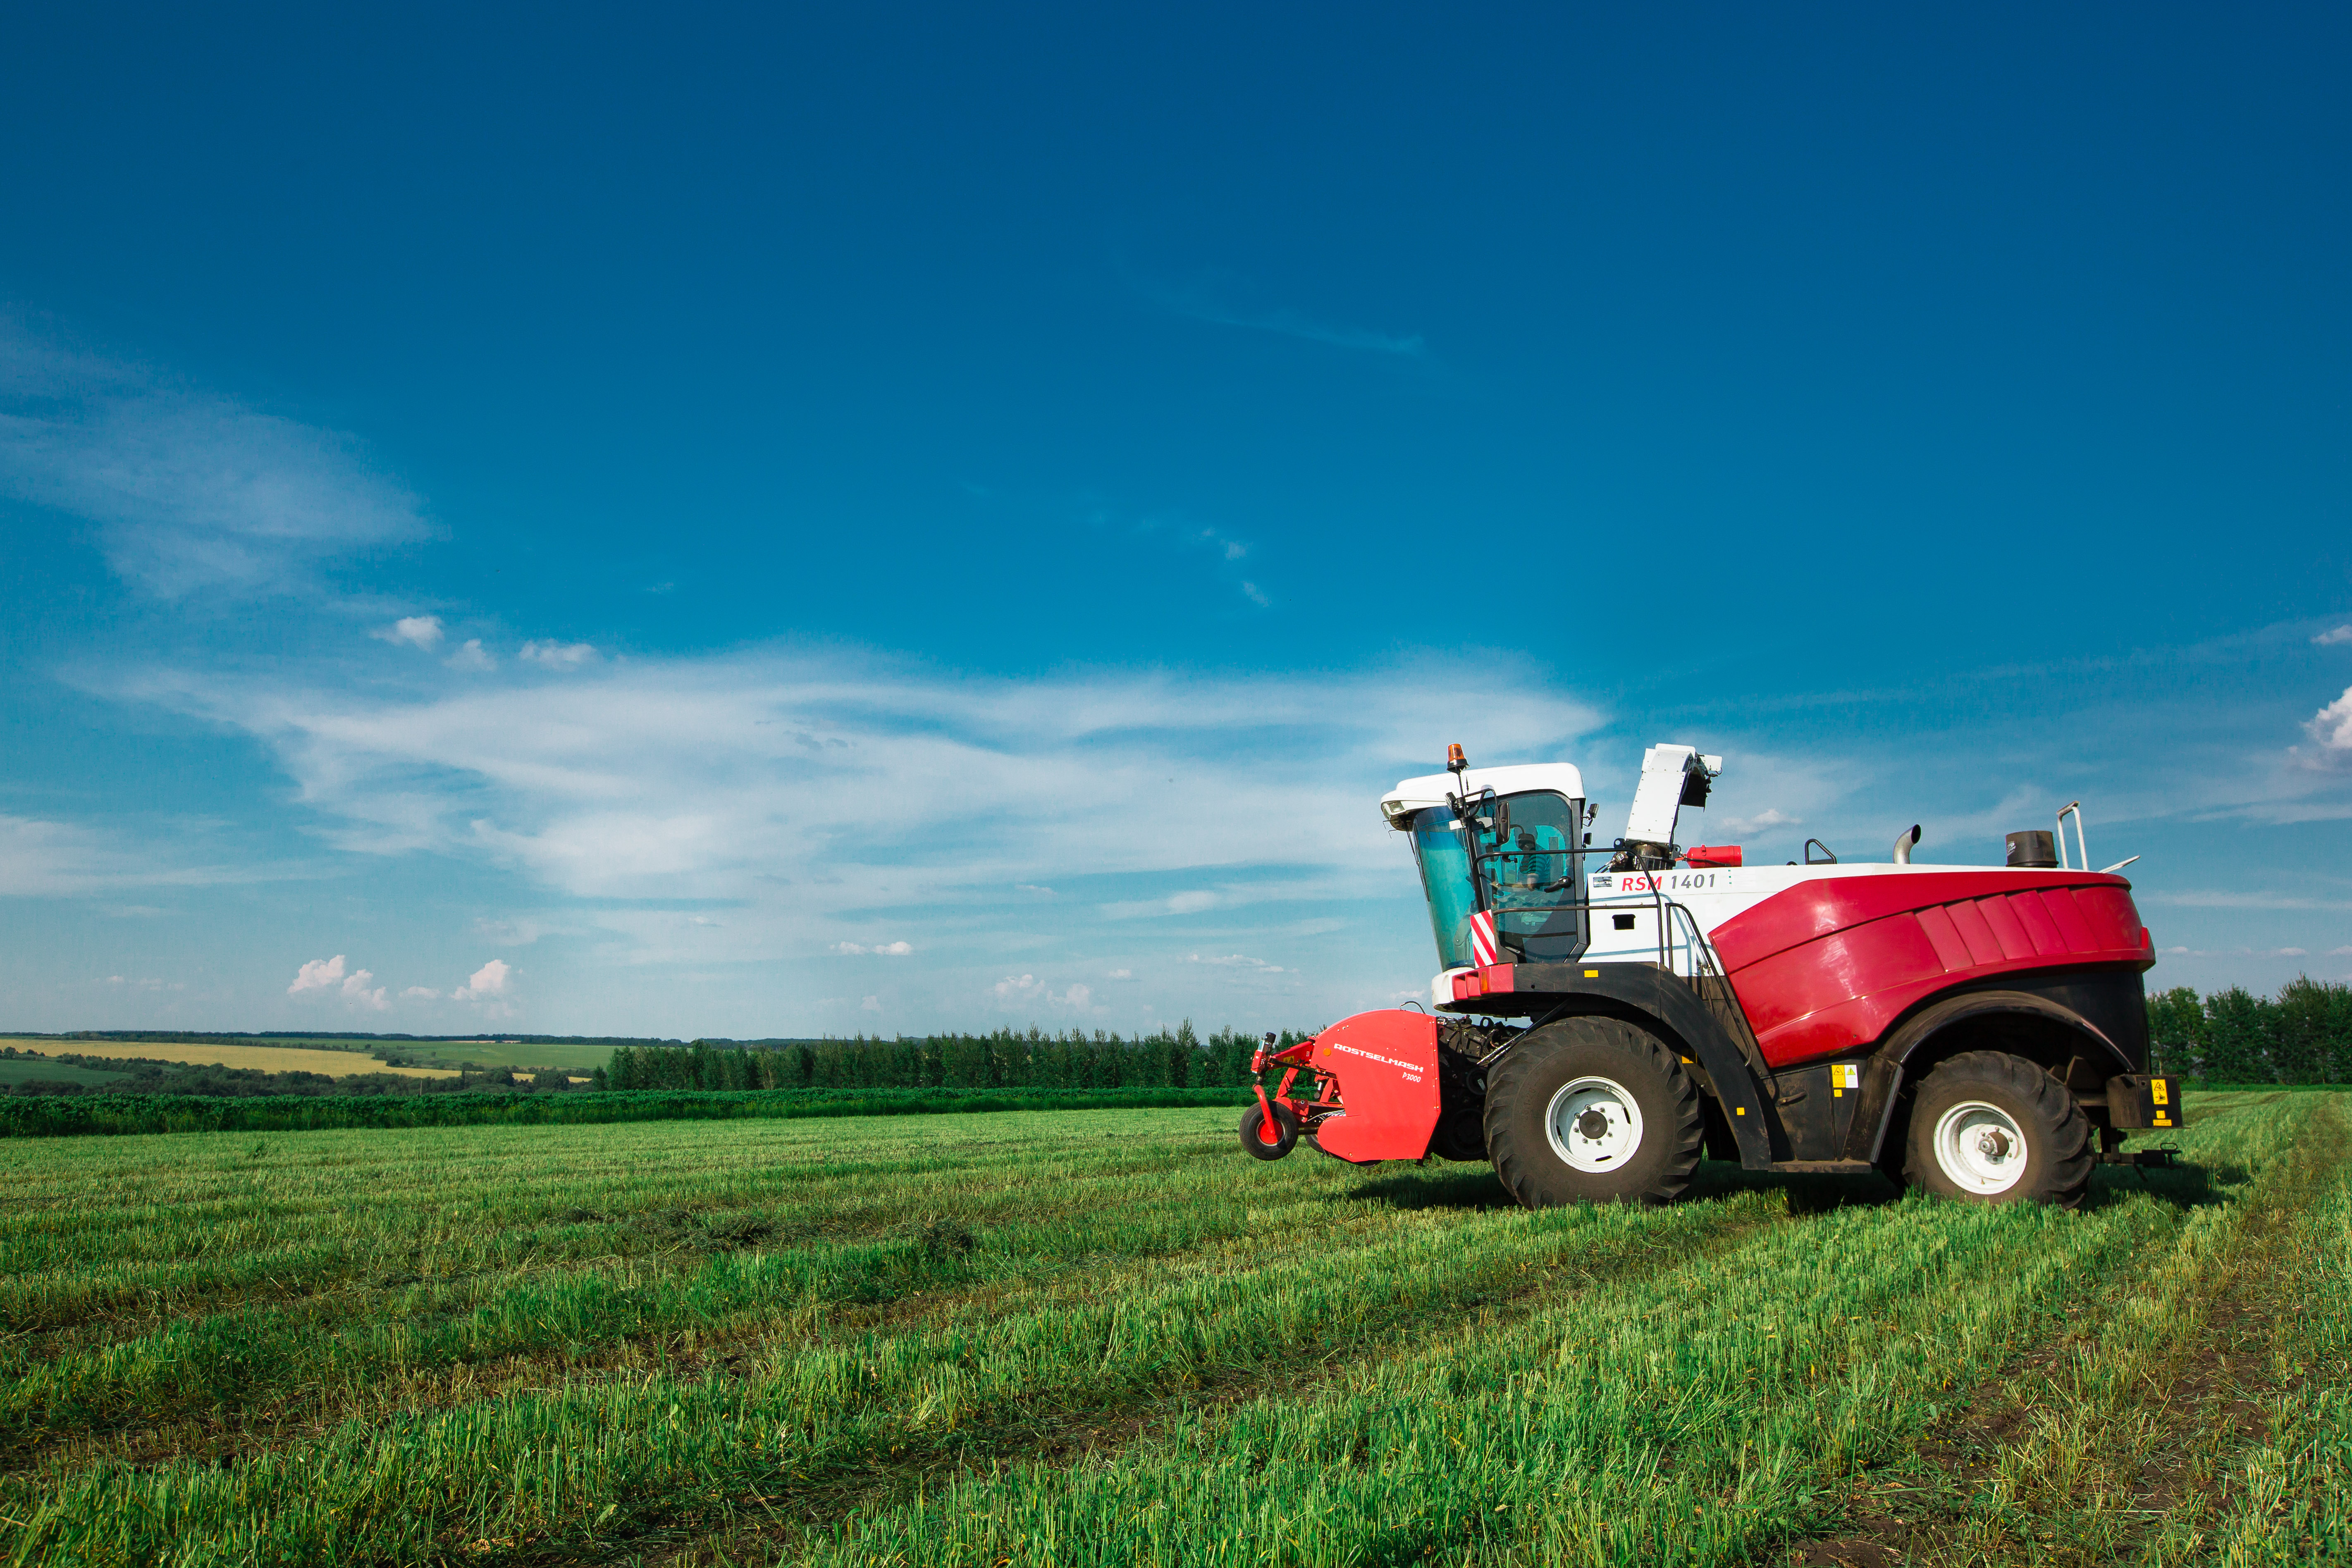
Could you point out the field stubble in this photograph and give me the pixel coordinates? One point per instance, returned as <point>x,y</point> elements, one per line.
<point>1104,1337</point>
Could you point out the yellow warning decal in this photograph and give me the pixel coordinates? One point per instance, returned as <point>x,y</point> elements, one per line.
<point>2162,1120</point>
<point>1739,1111</point>
<point>1592,975</point>
<point>2160,1087</point>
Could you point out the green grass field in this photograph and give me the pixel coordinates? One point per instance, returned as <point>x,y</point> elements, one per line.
<point>1107,1337</point>
<point>19,1069</point>
<point>555,1058</point>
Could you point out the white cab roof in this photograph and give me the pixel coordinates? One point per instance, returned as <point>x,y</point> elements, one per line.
<point>1412,795</point>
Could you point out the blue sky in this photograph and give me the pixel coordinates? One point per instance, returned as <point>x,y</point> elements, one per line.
<point>749,523</point>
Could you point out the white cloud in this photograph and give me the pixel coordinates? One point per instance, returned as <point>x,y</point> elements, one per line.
<point>2340,951</point>
<point>791,787</point>
<point>318,974</point>
<point>871,1004</point>
<point>2330,639</point>
<point>1763,821</point>
<point>559,655</point>
<point>1032,888</point>
<point>1240,961</point>
<point>2293,953</point>
<point>1256,595</point>
<point>488,981</point>
<point>2332,728</point>
<point>1128,974</point>
<point>471,655</point>
<point>416,631</point>
<point>422,994</point>
<point>329,975</point>
<point>882,949</point>
<point>191,491</point>
<point>1029,988</point>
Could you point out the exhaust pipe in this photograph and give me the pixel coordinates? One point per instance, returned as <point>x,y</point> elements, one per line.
<point>1903,842</point>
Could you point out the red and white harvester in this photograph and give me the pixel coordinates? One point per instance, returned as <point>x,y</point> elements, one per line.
<point>1978,1031</point>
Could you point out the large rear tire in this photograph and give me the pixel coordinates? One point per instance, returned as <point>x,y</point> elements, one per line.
<point>1990,1128</point>
<point>1592,1110</point>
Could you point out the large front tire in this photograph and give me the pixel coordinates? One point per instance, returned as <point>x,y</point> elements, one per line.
<point>1990,1128</point>
<point>1592,1110</point>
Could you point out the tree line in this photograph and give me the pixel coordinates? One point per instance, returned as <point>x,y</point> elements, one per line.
<point>205,1080</point>
<point>1177,1058</point>
<point>2304,1034</point>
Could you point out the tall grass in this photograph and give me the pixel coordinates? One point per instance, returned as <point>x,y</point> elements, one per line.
<point>871,1342</point>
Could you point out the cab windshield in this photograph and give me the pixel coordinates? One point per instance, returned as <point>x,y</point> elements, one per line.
<point>1523,851</point>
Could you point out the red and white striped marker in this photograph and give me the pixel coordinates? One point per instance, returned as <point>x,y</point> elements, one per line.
<point>1482,938</point>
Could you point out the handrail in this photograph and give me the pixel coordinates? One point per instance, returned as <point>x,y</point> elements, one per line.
<point>2083,850</point>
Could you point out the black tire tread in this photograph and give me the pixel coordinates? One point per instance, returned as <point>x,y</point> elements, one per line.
<point>2068,1136</point>
<point>1516,1167</point>
<point>1254,1120</point>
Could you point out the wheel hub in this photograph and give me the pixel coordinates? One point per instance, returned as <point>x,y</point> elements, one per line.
<point>1980,1148</point>
<point>1593,1124</point>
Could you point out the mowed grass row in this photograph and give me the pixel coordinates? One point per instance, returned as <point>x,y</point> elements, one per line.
<point>136,1229</point>
<point>417,1485</point>
<point>1174,1266</point>
<point>332,1280</point>
<point>1702,1415</point>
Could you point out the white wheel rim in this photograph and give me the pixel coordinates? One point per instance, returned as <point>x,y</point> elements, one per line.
<point>1981,1148</point>
<point>1593,1124</point>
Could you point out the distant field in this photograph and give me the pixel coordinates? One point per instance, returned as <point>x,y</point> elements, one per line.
<point>265,1058</point>
<point>579,1059</point>
<point>22,1071</point>
<point>1104,1337</point>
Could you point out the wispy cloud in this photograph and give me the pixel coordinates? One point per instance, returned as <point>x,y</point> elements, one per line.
<point>1238,960</point>
<point>2332,637</point>
<point>416,631</point>
<point>65,859</point>
<point>559,655</point>
<point>1216,297</point>
<point>799,788</point>
<point>191,491</point>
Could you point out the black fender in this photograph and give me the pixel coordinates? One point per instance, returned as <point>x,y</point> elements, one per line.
<point>1673,1009</point>
<point>1892,1058</point>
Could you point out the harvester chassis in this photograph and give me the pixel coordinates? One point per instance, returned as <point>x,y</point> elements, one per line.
<point>1978,1031</point>
<point>1793,1118</point>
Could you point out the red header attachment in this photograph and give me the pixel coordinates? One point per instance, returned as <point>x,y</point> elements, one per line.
<point>1712,855</point>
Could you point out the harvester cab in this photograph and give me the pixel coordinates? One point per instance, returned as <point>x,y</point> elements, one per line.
<point>1603,1016</point>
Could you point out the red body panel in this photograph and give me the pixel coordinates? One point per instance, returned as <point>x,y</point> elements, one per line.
<point>1386,1067</point>
<point>1823,968</point>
